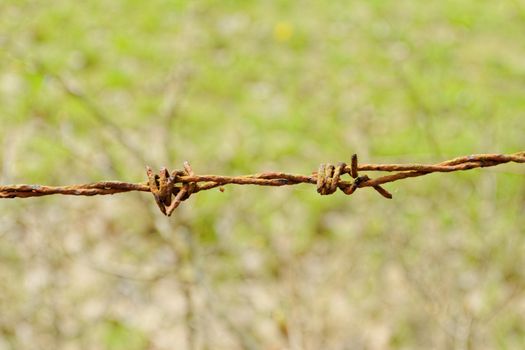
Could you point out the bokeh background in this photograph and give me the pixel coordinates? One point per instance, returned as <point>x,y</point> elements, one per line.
<point>95,90</point>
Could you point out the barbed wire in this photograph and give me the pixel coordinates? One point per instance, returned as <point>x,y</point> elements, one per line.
<point>171,189</point>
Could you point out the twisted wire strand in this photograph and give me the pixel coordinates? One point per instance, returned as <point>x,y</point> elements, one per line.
<point>171,189</point>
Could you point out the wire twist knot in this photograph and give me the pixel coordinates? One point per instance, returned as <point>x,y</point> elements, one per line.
<point>162,186</point>
<point>328,179</point>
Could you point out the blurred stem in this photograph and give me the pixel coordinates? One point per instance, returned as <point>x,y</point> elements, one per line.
<point>184,251</point>
<point>421,109</point>
<point>187,290</point>
<point>102,118</point>
<point>96,111</point>
<point>174,92</point>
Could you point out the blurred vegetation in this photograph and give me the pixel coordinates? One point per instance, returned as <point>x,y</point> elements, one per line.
<point>96,90</point>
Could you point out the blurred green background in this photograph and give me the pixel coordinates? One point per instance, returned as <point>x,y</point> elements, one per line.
<point>95,90</point>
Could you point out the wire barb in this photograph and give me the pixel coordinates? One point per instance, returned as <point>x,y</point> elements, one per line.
<point>170,190</point>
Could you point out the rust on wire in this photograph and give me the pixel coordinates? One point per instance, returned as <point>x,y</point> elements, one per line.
<point>171,189</point>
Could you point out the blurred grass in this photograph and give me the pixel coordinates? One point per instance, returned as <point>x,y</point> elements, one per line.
<point>95,90</point>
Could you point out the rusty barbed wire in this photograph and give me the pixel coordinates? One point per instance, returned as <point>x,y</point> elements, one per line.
<point>171,189</point>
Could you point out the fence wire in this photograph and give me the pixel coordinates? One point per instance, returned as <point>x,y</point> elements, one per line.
<point>171,188</point>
